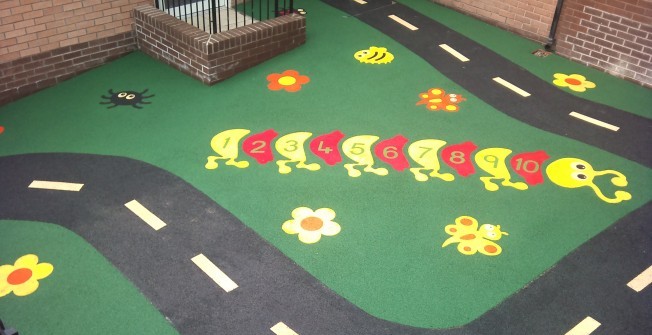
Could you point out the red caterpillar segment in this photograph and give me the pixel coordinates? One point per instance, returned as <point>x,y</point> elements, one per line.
<point>390,151</point>
<point>259,147</point>
<point>529,165</point>
<point>327,147</point>
<point>453,154</point>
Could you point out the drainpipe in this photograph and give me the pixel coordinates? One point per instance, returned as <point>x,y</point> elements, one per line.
<point>553,27</point>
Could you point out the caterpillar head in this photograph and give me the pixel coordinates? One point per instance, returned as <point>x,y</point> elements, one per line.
<point>573,173</point>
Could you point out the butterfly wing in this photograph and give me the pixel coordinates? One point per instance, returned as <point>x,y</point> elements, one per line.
<point>467,248</point>
<point>464,225</point>
<point>489,248</point>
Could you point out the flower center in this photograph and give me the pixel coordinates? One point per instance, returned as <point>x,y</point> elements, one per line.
<point>312,223</point>
<point>19,276</point>
<point>572,81</point>
<point>287,80</point>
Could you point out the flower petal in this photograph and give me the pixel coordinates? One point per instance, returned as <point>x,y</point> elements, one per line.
<point>42,270</point>
<point>589,84</point>
<point>560,82</point>
<point>302,212</point>
<point>303,80</point>
<point>331,228</point>
<point>577,88</point>
<point>293,88</point>
<point>5,270</point>
<point>5,289</point>
<point>27,261</point>
<point>577,76</point>
<point>26,289</point>
<point>292,73</point>
<point>309,237</point>
<point>560,76</point>
<point>274,77</point>
<point>274,86</point>
<point>289,227</point>
<point>325,214</point>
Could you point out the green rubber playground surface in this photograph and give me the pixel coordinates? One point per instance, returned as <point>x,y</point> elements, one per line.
<point>388,257</point>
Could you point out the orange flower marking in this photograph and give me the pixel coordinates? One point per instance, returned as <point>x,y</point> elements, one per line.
<point>437,99</point>
<point>22,277</point>
<point>289,80</point>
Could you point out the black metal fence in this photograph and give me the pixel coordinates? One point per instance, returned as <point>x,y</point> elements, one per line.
<point>215,16</point>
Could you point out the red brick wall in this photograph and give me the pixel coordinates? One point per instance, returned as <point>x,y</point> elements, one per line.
<point>43,42</point>
<point>213,58</point>
<point>530,18</point>
<point>614,35</point>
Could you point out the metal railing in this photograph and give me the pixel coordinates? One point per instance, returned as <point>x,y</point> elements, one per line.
<point>214,16</point>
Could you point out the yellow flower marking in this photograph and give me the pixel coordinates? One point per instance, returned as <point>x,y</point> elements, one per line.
<point>22,277</point>
<point>575,82</point>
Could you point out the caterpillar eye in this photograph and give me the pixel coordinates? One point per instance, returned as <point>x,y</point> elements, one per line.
<point>489,227</point>
<point>491,234</point>
<point>122,94</point>
<point>131,96</point>
<point>579,176</point>
<point>578,166</point>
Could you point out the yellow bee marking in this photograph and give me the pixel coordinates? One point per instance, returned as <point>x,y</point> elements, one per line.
<point>374,55</point>
<point>291,147</point>
<point>226,145</point>
<point>472,238</point>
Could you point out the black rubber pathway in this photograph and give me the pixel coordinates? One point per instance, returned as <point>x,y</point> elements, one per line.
<point>589,282</point>
<point>547,107</point>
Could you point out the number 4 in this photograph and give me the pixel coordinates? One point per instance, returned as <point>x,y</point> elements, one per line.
<point>321,148</point>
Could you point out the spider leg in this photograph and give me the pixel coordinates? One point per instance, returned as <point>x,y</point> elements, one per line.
<point>111,91</point>
<point>134,106</point>
<point>106,97</point>
<point>143,92</point>
<point>149,96</point>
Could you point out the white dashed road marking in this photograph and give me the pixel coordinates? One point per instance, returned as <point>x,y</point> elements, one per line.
<point>145,215</point>
<point>56,185</point>
<point>454,52</point>
<point>403,22</point>
<point>642,280</point>
<point>594,121</point>
<point>219,277</point>
<point>281,329</point>
<point>586,327</point>
<point>512,87</point>
<point>362,2</point>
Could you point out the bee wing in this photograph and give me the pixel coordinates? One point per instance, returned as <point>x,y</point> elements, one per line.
<point>489,248</point>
